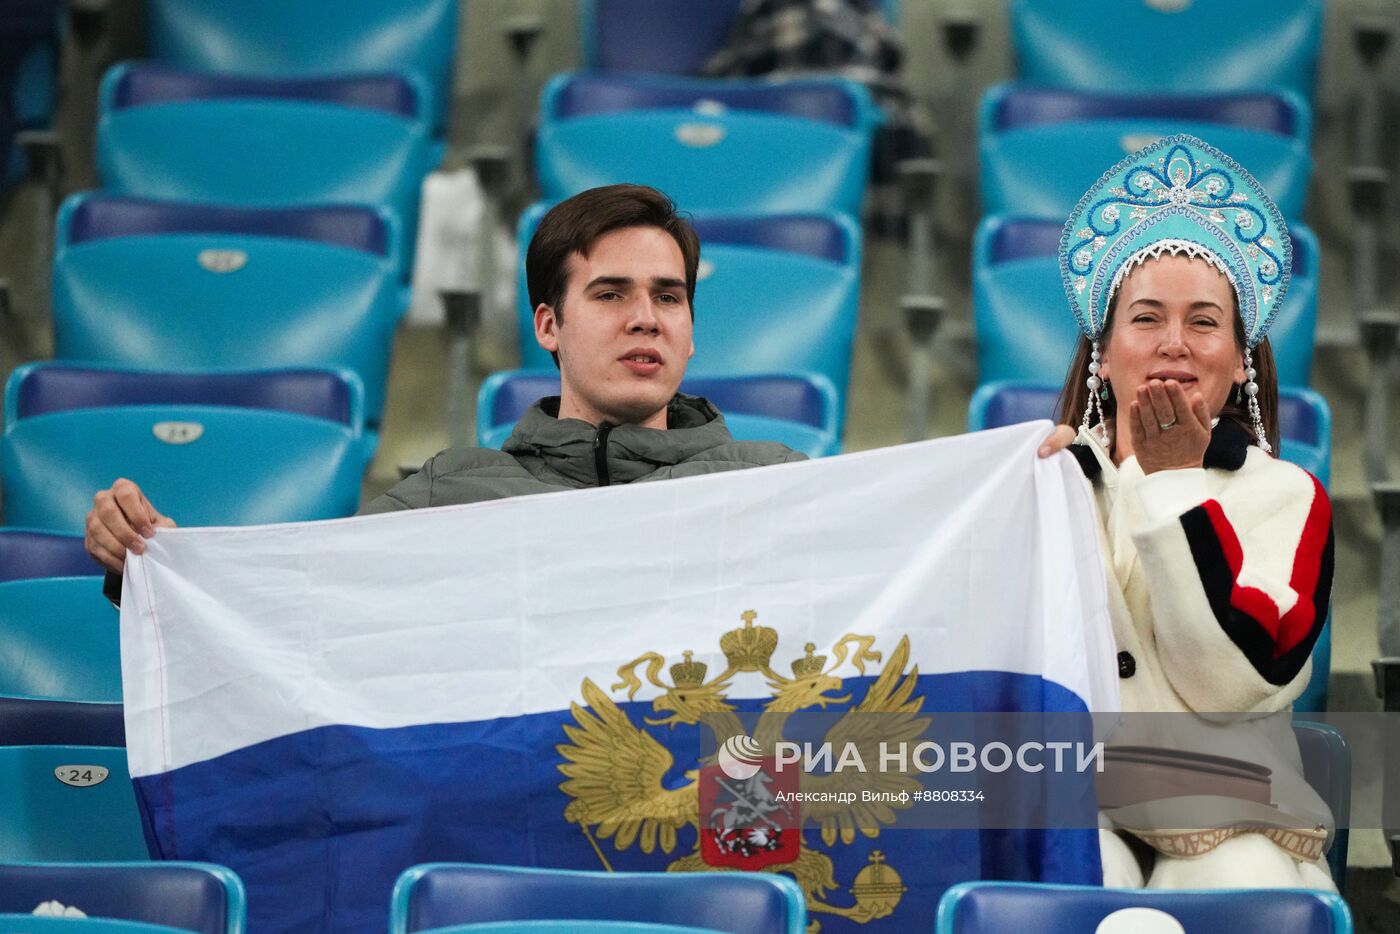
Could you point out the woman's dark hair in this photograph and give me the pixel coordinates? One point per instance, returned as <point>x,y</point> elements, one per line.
<point>1074,396</point>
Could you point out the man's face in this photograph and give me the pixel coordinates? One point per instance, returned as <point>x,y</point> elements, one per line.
<point>624,335</point>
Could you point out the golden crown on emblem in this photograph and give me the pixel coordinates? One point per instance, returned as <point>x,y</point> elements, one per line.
<point>688,674</point>
<point>750,647</point>
<point>809,666</point>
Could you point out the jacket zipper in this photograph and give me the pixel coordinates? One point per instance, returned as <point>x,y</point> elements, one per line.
<point>600,453</point>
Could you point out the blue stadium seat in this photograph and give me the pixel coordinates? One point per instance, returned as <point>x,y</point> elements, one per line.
<point>30,721</point>
<point>674,37</point>
<point>742,146</point>
<point>264,142</point>
<point>437,895</point>
<point>997,907</point>
<point>1025,330</point>
<point>204,465</point>
<point>311,37</point>
<point>67,802</point>
<point>58,640</point>
<point>775,295</point>
<point>1041,149</point>
<point>1168,45</point>
<point>1305,434</point>
<point>60,669</point>
<point>29,553</point>
<point>168,286</point>
<point>798,410</point>
<point>197,897</point>
<point>1327,768</point>
<point>42,388</point>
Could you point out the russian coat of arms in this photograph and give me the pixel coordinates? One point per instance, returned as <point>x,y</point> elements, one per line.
<point>615,769</point>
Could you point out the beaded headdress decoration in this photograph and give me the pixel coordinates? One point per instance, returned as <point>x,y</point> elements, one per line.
<point>1179,196</point>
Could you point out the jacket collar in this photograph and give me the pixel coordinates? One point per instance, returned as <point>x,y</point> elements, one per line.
<point>566,445</point>
<point>1229,444</point>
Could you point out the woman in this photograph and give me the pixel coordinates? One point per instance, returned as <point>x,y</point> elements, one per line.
<point>1218,556</point>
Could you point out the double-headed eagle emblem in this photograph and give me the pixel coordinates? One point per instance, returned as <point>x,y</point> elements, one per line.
<point>615,770</point>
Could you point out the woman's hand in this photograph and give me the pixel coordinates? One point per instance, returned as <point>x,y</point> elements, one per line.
<point>1059,439</point>
<point>1170,430</point>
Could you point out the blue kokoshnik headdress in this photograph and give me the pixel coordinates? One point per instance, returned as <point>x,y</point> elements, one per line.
<point>1179,196</point>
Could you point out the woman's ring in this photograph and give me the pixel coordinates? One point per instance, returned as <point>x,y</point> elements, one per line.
<point>1167,426</point>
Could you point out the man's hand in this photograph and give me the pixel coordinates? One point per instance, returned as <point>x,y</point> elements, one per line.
<point>120,521</point>
<point>1170,430</point>
<point>1059,439</point>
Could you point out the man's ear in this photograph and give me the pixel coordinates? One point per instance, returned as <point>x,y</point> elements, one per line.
<point>546,328</point>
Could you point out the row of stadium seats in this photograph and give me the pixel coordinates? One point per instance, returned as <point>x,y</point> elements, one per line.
<point>260,186</point>
<point>234,273</point>
<point>119,898</point>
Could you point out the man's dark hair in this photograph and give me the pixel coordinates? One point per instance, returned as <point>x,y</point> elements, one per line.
<point>573,226</point>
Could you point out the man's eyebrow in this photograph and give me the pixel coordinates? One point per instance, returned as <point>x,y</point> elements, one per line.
<point>610,280</point>
<point>658,282</point>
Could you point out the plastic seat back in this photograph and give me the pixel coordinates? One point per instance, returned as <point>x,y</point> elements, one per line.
<point>58,640</point>
<point>775,295</point>
<point>311,37</point>
<point>1327,767</point>
<point>995,907</point>
<point>68,803</point>
<point>29,721</point>
<point>185,287</point>
<point>212,138</point>
<point>798,410</point>
<point>1041,150</point>
<point>41,388</point>
<point>442,894</point>
<point>672,37</point>
<point>718,146</point>
<point>1025,330</point>
<point>204,465</point>
<point>196,897</point>
<point>1168,45</point>
<point>31,553</point>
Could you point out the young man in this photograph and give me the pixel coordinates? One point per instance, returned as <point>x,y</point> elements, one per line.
<point>611,274</point>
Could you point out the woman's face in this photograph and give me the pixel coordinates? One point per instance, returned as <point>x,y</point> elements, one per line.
<point>1175,319</point>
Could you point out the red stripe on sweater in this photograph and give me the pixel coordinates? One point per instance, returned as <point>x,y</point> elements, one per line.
<point>1292,627</point>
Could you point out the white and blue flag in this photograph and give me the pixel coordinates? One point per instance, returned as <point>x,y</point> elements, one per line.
<point>321,705</point>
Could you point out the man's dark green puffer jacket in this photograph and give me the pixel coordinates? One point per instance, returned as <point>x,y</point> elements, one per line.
<point>546,454</point>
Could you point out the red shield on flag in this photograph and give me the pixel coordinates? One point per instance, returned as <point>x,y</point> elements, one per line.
<point>752,821</point>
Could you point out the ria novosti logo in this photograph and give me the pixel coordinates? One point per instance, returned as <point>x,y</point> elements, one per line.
<point>740,757</point>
